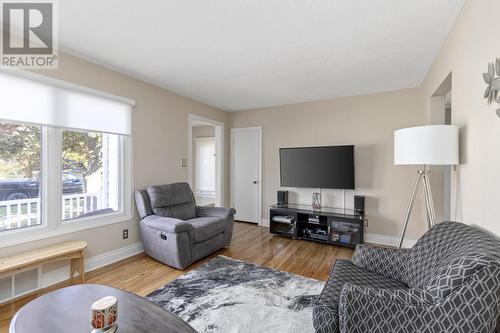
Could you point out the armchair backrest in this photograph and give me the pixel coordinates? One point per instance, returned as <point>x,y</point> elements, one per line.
<point>172,200</point>
<point>449,254</point>
<point>143,204</point>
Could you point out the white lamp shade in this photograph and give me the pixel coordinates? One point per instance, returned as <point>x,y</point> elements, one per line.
<point>431,145</point>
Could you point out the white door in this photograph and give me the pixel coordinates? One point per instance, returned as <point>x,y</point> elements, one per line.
<point>246,173</point>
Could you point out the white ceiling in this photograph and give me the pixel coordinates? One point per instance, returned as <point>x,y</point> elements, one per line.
<point>244,54</point>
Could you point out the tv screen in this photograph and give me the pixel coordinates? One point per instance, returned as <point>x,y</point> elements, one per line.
<point>317,167</point>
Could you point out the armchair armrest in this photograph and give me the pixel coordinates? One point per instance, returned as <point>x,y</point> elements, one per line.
<point>220,212</point>
<point>383,261</point>
<point>167,224</point>
<point>411,296</point>
<point>363,309</point>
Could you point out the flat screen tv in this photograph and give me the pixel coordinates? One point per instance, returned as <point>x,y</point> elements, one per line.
<point>317,167</point>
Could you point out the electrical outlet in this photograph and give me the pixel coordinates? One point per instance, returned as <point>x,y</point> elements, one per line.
<point>125,233</point>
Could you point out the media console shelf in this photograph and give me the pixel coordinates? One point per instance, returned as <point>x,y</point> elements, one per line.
<point>327,225</point>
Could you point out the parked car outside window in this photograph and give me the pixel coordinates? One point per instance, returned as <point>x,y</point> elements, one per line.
<point>18,189</point>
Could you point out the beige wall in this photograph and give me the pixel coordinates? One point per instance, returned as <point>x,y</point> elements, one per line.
<point>160,122</point>
<point>472,43</point>
<point>203,131</point>
<point>367,121</point>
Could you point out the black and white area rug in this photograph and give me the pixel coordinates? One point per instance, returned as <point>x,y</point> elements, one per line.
<point>227,295</point>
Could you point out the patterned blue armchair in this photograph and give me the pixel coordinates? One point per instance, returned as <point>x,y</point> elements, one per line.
<point>448,282</point>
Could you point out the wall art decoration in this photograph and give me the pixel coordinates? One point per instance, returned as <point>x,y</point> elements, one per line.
<point>492,79</point>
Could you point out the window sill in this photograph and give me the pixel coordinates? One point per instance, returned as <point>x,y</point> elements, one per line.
<point>205,194</point>
<point>26,235</point>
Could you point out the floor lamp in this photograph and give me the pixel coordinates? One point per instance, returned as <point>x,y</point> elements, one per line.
<point>424,146</point>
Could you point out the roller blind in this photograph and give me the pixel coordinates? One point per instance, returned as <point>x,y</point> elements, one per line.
<point>31,101</point>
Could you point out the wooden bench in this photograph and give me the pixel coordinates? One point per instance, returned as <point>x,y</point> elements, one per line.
<point>73,251</point>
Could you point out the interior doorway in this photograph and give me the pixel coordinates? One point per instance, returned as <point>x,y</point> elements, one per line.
<point>205,160</point>
<point>447,168</point>
<point>443,179</point>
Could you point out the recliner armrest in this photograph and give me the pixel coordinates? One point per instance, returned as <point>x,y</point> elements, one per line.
<point>220,212</point>
<point>388,262</point>
<point>167,224</point>
<point>411,296</point>
<point>405,310</point>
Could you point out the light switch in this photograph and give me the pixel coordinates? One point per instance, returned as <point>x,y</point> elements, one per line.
<point>183,162</point>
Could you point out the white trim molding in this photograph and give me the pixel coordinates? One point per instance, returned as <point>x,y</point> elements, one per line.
<point>108,258</point>
<point>31,234</point>
<point>387,240</point>
<point>264,222</point>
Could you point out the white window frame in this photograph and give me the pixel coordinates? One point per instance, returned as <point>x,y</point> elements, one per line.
<point>51,186</point>
<point>51,195</point>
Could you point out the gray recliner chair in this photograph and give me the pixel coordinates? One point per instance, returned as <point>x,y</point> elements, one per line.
<point>177,232</point>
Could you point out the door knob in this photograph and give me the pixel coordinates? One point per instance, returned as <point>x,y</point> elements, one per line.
<point>255,182</point>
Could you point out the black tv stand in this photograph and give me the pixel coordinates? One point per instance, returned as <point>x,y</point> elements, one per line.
<point>327,225</point>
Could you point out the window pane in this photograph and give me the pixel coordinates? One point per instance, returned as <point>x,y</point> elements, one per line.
<point>205,166</point>
<point>90,174</point>
<point>20,156</point>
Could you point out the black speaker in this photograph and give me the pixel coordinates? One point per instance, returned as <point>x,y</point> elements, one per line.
<point>282,197</point>
<point>359,204</point>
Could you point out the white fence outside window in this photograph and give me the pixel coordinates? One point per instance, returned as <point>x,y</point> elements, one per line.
<point>27,212</point>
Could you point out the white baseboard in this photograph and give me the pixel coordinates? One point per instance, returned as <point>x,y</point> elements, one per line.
<point>264,222</point>
<point>102,260</point>
<point>62,273</point>
<point>388,240</point>
<point>113,256</point>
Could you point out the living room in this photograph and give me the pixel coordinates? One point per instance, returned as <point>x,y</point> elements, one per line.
<point>290,166</point>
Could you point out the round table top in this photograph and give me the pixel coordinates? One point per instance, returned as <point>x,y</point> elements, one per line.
<point>68,310</point>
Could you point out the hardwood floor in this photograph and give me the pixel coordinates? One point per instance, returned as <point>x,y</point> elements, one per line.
<point>141,275</point>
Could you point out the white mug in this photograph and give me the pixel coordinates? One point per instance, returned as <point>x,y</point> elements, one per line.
<point>104,313</point>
